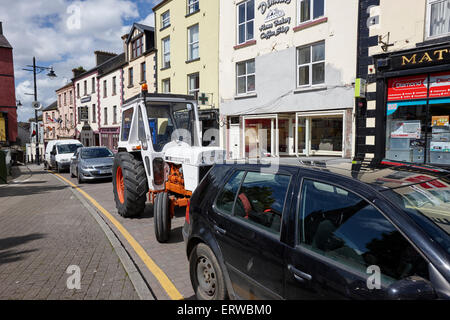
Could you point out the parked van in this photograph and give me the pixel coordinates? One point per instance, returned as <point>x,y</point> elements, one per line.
<point>59,152</point>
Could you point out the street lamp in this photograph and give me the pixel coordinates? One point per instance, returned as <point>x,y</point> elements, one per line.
<point>51,74</point>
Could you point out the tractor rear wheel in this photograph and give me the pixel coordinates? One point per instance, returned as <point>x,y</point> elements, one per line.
<point>129,184</point>
<point>161,217</point>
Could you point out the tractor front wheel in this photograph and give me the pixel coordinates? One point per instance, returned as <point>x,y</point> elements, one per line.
<point>129,184</point>
<point>161,217</point>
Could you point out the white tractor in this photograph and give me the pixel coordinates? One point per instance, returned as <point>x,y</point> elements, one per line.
<point>166,146</point>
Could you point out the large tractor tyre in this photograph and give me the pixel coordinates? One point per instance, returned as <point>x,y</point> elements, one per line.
<point>206,275</point>
<point>129,184</point>
<point>161,217</point>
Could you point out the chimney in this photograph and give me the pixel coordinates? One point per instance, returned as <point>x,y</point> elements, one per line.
<point>125,47</point>
<point>1,28</point>
<point>102,56</point>
<point>78,71</point>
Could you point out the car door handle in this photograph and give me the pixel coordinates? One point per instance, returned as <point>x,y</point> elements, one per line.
<point>220,230</point>
<point>299,275</point>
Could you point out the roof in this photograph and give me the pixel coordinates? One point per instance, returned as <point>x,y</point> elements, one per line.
<point>4,42</point>
<point>112,64</point>
<point>163,2</point>
<point>51,107</point>
<point>70,84</point>
<point>142,27</point>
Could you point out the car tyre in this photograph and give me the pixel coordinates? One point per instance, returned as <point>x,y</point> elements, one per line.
<point>79,178</point>
<point>129,184</point>
<point>71,173</point>
<point>162,218</point>
<point>206,274</point>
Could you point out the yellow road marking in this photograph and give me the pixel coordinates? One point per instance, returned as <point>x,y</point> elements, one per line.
<point>162,278</point>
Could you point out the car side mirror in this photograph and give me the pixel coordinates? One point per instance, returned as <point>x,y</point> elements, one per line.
<point>73,158</point>
<point>412,288</point>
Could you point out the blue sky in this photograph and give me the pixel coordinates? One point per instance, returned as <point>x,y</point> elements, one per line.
<point>64,34</point>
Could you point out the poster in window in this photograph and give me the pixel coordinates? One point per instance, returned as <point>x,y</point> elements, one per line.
<point>408,88</point>
<point>406,129</point>
<point>440,85</point>
<point>438,121</point>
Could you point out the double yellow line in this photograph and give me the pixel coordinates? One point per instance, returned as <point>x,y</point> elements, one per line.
<point>162,278</point>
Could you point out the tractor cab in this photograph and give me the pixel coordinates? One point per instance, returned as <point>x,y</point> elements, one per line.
<point>166,146</point>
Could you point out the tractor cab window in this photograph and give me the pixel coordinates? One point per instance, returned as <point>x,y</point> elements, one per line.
<point>170,122</point>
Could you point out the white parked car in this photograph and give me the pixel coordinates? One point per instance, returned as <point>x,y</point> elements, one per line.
<point>59,152</point>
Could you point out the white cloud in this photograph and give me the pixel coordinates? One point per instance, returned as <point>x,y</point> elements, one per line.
<point>44,29</point>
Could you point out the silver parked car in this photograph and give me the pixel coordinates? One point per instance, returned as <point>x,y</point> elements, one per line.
<point>91,163</point>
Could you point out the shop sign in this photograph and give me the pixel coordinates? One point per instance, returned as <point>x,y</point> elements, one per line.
<point>407,88</point>
<point>86,99</point>
<point>440,85</point>
<point>275,21</point>
<point>84,113</point>
<point>422,58</point>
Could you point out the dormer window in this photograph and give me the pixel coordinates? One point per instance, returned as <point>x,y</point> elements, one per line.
<point>137,47</point>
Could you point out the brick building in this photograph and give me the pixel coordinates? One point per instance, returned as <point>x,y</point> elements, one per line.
<point>8,109</point>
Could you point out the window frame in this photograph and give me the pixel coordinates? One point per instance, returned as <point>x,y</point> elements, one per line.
<point>192,4</point>
<point>165,22</point>
<point>194,92</point>
<point>246,21</point>
<point>246,75</point>
<point>311,11</point>
<point>190,45</point>
<point>253,226</point>
<point>310,65</point>
<point>163,82</point>
<point>299,246</point>
<point>130,77</point>
<point>165,64</point>
<point>429,4</point>
<point>143,71</point>
<point>137,47</point>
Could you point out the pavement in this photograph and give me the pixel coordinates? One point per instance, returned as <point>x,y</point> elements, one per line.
<point>44,229</point>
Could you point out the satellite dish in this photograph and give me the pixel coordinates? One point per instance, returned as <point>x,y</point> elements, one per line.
<point>36,105</point>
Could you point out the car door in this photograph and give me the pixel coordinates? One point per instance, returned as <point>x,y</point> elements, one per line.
<point>53,157</point>
<point>247,219</point>
<point>75,161</point>
<point>345,248</point>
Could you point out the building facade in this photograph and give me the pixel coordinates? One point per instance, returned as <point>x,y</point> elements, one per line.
<point>287,74</point>
<point>110,80</point>
<point>188,49</point>
<point>405,113</point>
<point>66,110</point>
<point>140,57</point>
<point>8,109</point>
<point>52,122</point>
<point>87,102</point>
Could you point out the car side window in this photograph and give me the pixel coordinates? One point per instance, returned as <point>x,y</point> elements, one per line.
<point>342,226</point>
<point>261,200</point>
<point>225,200</point>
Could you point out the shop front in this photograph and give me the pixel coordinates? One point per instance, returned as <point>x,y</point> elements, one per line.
<point>414,106</point>
<point>110,138</point>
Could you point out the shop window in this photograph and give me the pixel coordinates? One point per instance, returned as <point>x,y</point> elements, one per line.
<point>246,17</point>
<point>438,18</point>
<point>311,64</point>
<point>326,134</point>
<point>418,112</point>
<point>310,10</point>
<point>245,72</point>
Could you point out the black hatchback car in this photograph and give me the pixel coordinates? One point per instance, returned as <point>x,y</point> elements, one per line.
<point>356,230</point>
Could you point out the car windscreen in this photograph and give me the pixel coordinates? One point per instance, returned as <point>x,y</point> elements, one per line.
<point>169,122</point>
<point>68,148</point>
<point>428,204</point>
<point>96,153</point>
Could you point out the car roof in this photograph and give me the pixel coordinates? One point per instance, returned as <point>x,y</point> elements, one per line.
<point>381,174</point>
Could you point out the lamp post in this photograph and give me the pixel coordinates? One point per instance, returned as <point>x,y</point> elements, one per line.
<point>36,70</point>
